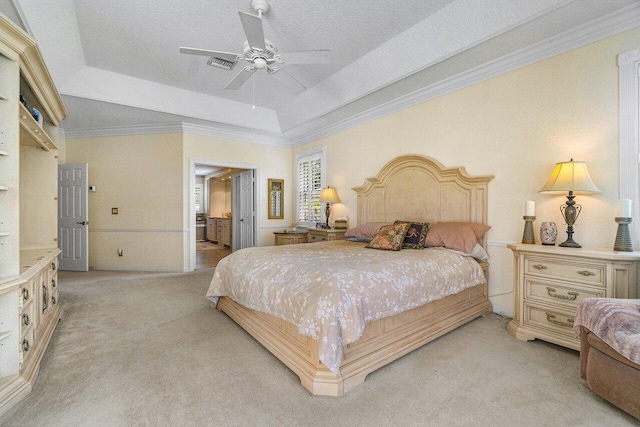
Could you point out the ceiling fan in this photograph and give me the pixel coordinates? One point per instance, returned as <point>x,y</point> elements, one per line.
<point>260,53</point>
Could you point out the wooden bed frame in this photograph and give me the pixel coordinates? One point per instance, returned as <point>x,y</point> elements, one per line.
<point>410,187</point>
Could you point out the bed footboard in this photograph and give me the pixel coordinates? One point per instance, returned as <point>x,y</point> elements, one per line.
<point>382,342</point>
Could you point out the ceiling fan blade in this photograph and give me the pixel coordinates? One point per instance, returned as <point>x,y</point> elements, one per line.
<point>213,53</point>
<point>307,57</point>
<point>289,80</point>
<point>253,30</point>
<point>239,79</point>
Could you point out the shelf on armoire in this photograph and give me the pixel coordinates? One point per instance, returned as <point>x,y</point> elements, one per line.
<point>32,134</point>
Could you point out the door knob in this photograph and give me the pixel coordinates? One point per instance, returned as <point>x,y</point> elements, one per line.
<point>83,223</point>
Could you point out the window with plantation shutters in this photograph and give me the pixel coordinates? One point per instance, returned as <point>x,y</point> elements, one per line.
<point>310,178</point>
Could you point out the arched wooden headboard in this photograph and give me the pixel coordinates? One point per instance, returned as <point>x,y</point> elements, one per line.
<point>418,188</point>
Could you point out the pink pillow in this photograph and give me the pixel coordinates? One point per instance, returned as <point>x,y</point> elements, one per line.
<point>366,232</point>
<point>459,236</point>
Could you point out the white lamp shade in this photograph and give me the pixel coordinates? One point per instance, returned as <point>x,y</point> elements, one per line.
<point>570,176</point>
<point>329,195</point>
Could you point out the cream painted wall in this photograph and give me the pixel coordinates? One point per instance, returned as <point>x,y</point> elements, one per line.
<point>516,127</point>
<point>142,176</point>
<point>272,162</point>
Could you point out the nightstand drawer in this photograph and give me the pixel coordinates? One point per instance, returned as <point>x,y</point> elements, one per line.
<point>591,273</point>
<point>558,321</point>
<point>316,238</point>
<point>558,293</point>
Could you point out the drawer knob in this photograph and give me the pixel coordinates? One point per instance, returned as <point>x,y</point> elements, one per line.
<point>540,267</point>
<point>586,273</point>
<point>25,345</point>
<point>25,319</point>
<point>551,318</point>
<point>571,296</point>
<point>25,294</point>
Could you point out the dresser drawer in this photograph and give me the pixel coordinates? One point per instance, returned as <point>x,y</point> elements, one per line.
<point>556,320</point>
<point>558,293</point>
<point>317,238</point>
<point>27,318</point>
<point>27,294</point>
<point>591,273</point>
<point>53,266</point>
<point>27,341</point>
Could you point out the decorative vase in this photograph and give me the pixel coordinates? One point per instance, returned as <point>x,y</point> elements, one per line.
<point>548,233</point>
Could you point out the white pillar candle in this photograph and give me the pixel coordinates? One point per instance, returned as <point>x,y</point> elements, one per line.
<point>530,208</point>
<point>624,208</point>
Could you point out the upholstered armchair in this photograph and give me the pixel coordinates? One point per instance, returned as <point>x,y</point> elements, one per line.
<point>609,331</point>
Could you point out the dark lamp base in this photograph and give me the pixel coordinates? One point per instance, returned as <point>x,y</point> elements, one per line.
<point>570,244</point>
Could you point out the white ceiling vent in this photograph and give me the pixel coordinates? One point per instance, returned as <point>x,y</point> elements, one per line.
<point>221,63</point>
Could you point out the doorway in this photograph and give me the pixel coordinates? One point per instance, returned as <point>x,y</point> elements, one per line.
<point>212,223</point>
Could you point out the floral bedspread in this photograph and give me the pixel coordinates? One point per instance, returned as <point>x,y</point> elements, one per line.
<point>331,290</point>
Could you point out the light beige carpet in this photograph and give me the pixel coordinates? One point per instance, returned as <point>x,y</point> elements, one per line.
<point>138,349</point>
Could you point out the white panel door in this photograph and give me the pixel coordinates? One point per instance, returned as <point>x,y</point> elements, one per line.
<point>73,217</point>
<point>244,210</point>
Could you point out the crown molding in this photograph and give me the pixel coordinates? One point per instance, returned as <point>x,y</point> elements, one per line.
<point>236,135</point>
<point>598,29</point>
<point>121,130</point>
<point>173,128</point>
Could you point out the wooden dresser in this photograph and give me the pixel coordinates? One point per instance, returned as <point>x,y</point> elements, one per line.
<point>29,302</point>
<point>551,280</point>
<point>325,234</point>
<point>283,238</point>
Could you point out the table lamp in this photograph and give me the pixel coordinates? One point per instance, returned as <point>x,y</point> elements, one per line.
<point>328,196</point>
<point>571,176</point>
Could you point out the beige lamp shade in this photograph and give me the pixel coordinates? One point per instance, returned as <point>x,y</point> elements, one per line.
<point>570,176</point>
<point>329,195</point>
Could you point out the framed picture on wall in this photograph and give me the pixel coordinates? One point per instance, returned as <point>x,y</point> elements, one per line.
<point>276,198</point>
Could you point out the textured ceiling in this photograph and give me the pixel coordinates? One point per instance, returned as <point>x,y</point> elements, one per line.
<point>139,40</point>
<point>117,63</point>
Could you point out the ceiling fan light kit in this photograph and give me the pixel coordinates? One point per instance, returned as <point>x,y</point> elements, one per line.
<point>260,53</point>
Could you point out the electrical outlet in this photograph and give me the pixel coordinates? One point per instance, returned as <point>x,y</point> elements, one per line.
<point>120,252</point>
<point>114,211</point>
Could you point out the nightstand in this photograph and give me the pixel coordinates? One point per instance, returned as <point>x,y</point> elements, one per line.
<point>551,280</point>
<point>283,238</point>
<point>325,234</point>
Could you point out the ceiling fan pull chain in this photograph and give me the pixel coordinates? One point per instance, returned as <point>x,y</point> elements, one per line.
<point>253,101</point>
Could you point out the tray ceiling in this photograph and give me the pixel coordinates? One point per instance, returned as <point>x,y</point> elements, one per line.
<point>117,63</point>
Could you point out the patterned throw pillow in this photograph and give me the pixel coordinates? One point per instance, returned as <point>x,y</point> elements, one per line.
<point>390,237</point>
<point>416,235</point>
